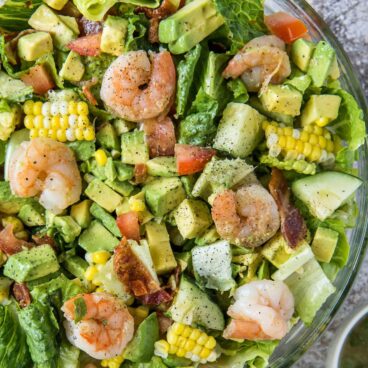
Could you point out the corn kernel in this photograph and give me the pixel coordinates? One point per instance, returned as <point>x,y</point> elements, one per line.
<point>299,147</point>
<point>73,121</point>
<point>37,108</point>
<point>288,131</point>
<point>327,134</point>
<point>186,332</point>
<point>211,343</point>
<point>90,273</point>
<point>282,142</point>
<point>141,312</point>
<point>33,134</point>
<point>304,136</point>
<point>46,107</point>
<point>100,257</point>
<point>330,146</point>
<point>38,122</point>
<point>70,135</point>
<point>195,334</point>
<point>309,128</point>
<point>52,133</point>
<point>79,135</point>
<point>96,282</point>
<point>100,289</point>
<point>290,143</point>
<point>181,342</point>
<point>270,130</point>
<point>63,107</point>
<point>313,139</point>
<point>171,337</point>
<point>28,107</point>
<point>307,149</point>
<point>189,345</point>
<point>47,122</point>
<point>54,109</point>
<point>89,133</point>
<point>177,328</point>
<point>4,294</point>
<point>101,157</point>
<point>43,133</point>
<point>72,108</point>
<point>11,220</point>
<point>198,348</point>
<point>61,135</point>
<point>173,349</point>
<point>181,353</point>
<point>321,122</point>
<point>315,154</point>
<point>29,121</point>
<point>162,346</point>
<point>82,108</point>
<point>136,205</point>
<point>83,121</point>
<point>204,353</point>
<point>55,122</point>
<point>317,130</point>
<point>265,124</point>
<point>202,339</point>
<point>64,122</point>
<point>322,141</point>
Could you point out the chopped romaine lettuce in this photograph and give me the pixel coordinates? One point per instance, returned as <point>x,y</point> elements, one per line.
<point>68,355</point>
<point>94,9</point>
<point>137,29</point>
<point>239,90</point>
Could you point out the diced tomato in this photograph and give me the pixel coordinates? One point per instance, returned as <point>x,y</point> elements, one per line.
<point>285,26</point>
<point>140,173</point>
<point>128,225</point>
<point>39,78</point>
<point>160,136</point>
<point>192,159</point>
<point>87,45</point>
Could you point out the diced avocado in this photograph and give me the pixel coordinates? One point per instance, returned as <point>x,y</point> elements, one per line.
<point>192,306</point>
<point>124,172</point>
<point>32,214</point>
<point>134,149</point>
<point>76,265</point>
<point>282,99</point>
<point>325,192</point>
<point>44,19</point>
<point>301,83</point>
<point>107,138</point>
<point>141,348</point>
<point>122,187</point>
<point>163,195</point>
<point>144,216</point>
<point>212,264</point>
<point>9,203</point>
<point>320,106</point>
<point>71,22</point>
<point>110,170</point>
<point>67,227</point>
<point>184,260</point>
<point>97,237</point>
<point>56,4</point>
<point>239,131</point>
<point>160,248</point>
<point>281,118</point>
<point>83,150</point>
<point>301,53</point>
<point>209,237</point>
<point>107,220</point>
<point>192,218</point>
<point>81,214</point>
<point>34,45</point>
<point>103,195</point>
<point>335,70</point>
<point>324,244</point>
<point>122,126</point>
<point>189,25</point>
<point>31,264</point>
<point>175,236</point>
<point>188,184</point>
<point>113,35</point>
<point>162,166</point>
<point>73,68</point>
<point>320,64</point>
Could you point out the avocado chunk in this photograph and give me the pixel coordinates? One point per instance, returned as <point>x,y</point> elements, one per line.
<point>71,22</point>
<point>123,172</point>
<point>189,25</point>
<point>123,126</point>
<point>81,214</point>
<point>209,237</point>
<point>100,193</point>
<point>320,107</point>
<point>44,19</point>
<point>97,237</point>
<point>107,138</point>
<point>122,187</point>
<point>76,265</point>
<point>192,306</point>
<point>141,348</point>
<point>32,214</point>
<point>239,131</point>
<point>67,227</point>
<point>335,70</point>
<point>31,264</point>
<point>162,166</point>
<point>134,149</point>
<point>192,218</point>
<point>9,203</point>
<point>107,220</point>
<point>73,68</point>
<point>301,53</point>
<point>56,4</point>
<point>301,82</point>
<point>160,248</point>
<point>321,62</point>
<point>324,244</point>
<point>282,99</point>
<point>113,35</point>
<point>34,45</point>
<point>83,150</point>
<point>163,195</point>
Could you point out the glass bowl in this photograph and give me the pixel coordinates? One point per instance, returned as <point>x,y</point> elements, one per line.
<point>301,338</point>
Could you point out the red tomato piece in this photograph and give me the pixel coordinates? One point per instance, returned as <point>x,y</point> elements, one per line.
<point>160,135</point>
<point>192,159</point>
<point>286,27</point>
<point>87,45</point>
<point>128,225</point>
<point>39,78</point>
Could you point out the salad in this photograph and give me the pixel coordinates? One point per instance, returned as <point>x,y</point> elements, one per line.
<point>177,182</point>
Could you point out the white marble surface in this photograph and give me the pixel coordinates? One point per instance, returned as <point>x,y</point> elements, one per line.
<point>349,21</point>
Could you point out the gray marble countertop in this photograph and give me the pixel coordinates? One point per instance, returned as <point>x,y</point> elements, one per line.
<point>349,21</point>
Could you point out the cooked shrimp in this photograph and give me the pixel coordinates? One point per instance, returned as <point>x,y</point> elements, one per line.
<point>247,217</point>
<point>47,168</point>
<point>106,328</point>
<point>259,62</point>
<point>261,311</point>
<point>137,87</point>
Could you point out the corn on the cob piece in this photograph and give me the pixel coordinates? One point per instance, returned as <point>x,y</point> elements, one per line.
<point>62,121</point>
<point>300,166</point>
<point>96,260</point>
<point>113,362</point>
<point>313,143</point>
<point>185,341</point>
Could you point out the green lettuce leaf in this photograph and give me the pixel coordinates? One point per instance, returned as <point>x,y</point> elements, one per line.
<point>13,347</point>
<point>13,89</point>
<point>94,9</point>
<point>345,159</point>
<point>68,355</point>
<point>145,3</point>
<point>237,87</point>
<point>137,29</point>
<point>243,20</point>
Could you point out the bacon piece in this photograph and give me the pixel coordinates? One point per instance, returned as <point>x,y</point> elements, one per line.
<point>86,89</point>
<point>140,173</point>
<point>293,226</point>
<point>132,272</point>
<point>9,244</point>
<point>163,322</point>
<point>89,27</point>
<point>159,297</point>
<point>44,239</point>
<point>21,294</point>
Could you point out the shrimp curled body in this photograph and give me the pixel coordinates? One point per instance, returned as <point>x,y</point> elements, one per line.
<point>105,329</point>
<point>46,167</point>
<point>247,217</point>
<point>136,87</point>
<point>261,311</point>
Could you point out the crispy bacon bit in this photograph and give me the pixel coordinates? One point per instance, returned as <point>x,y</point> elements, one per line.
<point>293,226</point>
<point>140,173</point>
<point>86,89</point>
<point>9,244</point>
<point>44,239</point>
<point>21,294</point>
<point>153,30</point>
<point>159,297</point>
<point>163,322</point>
<point>89,27</point>
<point>132,272</point>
